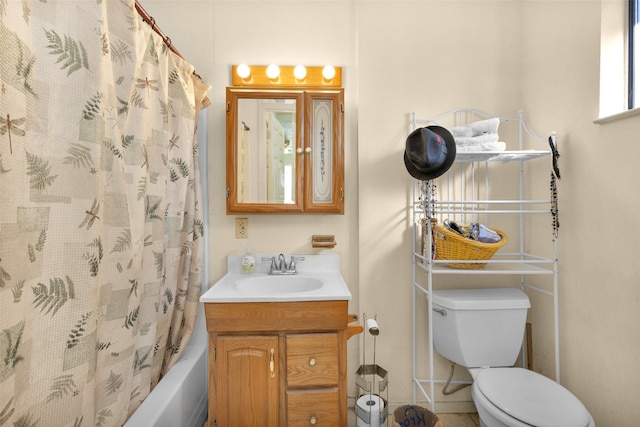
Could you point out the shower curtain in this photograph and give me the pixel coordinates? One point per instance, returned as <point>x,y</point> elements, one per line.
<point>100,226</point>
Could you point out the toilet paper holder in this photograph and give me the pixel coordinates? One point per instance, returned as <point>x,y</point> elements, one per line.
<point>374,372</point>
<point>374,415</point>
<point>371,380</point>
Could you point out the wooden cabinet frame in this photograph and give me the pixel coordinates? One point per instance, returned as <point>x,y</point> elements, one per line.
<point>318,178</point>
<point>297,326</point>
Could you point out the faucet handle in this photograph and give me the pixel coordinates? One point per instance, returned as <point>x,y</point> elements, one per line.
<point>292,264</point>
<point>273,262</point>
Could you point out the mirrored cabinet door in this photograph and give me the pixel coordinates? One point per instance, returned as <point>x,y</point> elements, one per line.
<point>264,135</point>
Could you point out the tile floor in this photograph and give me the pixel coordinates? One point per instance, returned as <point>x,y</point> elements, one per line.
<point>450,420</point>
<point>460,420</point>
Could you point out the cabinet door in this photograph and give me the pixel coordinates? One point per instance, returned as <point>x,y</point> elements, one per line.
<point>324,151</point>
<point>246,378</point>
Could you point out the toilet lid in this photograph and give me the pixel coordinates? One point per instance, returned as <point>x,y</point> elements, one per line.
<point>531,398</point>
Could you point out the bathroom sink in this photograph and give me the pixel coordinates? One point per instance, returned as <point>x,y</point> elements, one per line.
<point>318,279</point>
<point>278,285</point>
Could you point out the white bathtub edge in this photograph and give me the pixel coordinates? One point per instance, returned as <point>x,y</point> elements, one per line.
<point>180,398</point>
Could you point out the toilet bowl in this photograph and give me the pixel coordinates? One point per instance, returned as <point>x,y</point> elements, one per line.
<point>516,397</point>
<point>482,330</point>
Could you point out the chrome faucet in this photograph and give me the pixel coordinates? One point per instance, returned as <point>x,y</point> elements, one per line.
<point>280,267</point>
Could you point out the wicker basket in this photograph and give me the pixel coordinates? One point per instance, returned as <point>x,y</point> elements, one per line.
<point>451,245</point>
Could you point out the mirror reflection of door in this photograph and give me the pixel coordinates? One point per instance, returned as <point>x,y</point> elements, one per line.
<point>243,166</point>
<point>275,159</point>
<point>266,156</point>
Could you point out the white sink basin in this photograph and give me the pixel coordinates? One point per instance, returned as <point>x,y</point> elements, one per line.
<point>278,285</point>
<point>318,279</point>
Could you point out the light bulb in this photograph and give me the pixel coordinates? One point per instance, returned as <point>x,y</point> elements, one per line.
<point>328,72</point>
<point>243,71</point>
<point>273,71</point>
<point>300,72</point>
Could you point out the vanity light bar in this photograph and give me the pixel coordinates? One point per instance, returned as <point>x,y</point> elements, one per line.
<point>266,75</point>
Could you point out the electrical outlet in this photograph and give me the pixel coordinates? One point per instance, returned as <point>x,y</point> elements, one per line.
<point>242,228</point>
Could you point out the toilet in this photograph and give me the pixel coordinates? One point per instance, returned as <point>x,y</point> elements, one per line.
<point>482,330</point>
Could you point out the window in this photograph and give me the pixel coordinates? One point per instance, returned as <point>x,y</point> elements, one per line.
<point>619,60</point>
<point>633,72</point>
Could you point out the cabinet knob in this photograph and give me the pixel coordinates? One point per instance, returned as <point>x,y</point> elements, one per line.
<point>313,420</point>
<point>307,150</point>
<point>299,150</point>
<point>312,362</point>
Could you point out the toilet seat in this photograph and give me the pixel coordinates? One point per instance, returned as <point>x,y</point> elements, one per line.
<point>531,398</point>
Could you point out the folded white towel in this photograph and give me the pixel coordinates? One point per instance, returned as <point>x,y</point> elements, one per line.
<point>485,126</point>
<point>476,128</point>
<point>484,146</point>
<point>461,131</point>
<point>480,139</point>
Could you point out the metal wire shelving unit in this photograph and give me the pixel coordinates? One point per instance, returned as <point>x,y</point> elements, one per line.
<point>464,193</point>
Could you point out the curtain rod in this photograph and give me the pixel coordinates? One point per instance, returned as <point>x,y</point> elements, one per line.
<point>152,22</point>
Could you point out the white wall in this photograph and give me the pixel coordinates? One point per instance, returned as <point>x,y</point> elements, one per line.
<point>599,205</point>
<point>430,56</point>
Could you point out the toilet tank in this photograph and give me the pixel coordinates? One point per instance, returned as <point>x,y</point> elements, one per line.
<point>479,327</point>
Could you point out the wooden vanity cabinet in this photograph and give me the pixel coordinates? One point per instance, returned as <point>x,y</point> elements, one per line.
<point>278,364</point>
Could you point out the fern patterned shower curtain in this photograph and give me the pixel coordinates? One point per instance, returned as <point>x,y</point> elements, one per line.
<point>100,227</point>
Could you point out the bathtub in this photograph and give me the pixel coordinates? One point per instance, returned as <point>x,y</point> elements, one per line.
<point>180,398</point>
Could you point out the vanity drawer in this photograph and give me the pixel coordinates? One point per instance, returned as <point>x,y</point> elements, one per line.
<point>312,360</point>
<point>316,408</point>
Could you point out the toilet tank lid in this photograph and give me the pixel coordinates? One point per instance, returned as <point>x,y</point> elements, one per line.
<point>481,299</point>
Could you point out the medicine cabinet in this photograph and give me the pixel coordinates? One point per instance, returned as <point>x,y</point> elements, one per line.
<point>285,150</point>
